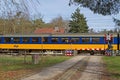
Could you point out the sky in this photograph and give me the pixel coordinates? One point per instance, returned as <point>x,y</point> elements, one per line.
<point>50,9</point>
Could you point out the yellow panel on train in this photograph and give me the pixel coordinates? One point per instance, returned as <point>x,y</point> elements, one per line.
<point>55,46</point>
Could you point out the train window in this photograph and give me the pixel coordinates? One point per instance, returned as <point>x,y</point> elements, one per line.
<point>45,39</point>
<point>35,39</point>
<point>65,40</point>
<point>0,40</point>
<point>7,39</point>
<point>95,40</point>
<point>26,40</point>
<point>16,39</point>
<point>85,40</point>
<point>119,40</point>
<point>75,40</point>
<point>54,40</point>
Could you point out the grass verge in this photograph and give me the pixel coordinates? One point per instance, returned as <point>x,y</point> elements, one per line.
<point>13,67</point>
<point>113,66</point>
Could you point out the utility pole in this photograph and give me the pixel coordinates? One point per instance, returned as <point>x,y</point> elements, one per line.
<point>118,40</point>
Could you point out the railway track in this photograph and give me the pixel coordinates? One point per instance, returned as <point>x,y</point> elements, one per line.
<point>71,72</point>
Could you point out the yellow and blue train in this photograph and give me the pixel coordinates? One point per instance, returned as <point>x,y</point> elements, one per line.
<point>60,42</point>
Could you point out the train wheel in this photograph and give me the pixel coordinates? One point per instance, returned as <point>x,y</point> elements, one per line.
<point>92,53</point>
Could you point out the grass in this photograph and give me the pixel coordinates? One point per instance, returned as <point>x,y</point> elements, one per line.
<point>14,65</point>
<point>113,66</point>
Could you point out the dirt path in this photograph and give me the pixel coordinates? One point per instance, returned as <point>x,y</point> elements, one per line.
<point>88,68</point>
<point>77,68</point>
<point>53,71</point>
<point>93,70</point>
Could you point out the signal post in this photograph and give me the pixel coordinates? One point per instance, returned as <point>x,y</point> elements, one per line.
<point>108,40</point>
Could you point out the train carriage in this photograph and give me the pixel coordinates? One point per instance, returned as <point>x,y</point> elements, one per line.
<point>79,42</point>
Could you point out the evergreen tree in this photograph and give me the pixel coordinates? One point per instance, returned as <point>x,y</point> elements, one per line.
<point>78,23</point>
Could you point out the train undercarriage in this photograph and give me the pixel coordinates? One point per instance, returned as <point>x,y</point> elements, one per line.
<point>51,52</point>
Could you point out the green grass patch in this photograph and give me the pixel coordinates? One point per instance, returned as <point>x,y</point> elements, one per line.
<point>8,63</point>
<point>113,66</point>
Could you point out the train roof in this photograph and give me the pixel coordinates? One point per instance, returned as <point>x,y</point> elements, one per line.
<point>57,35</point>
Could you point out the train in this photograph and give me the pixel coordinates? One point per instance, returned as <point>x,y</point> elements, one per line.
<point>57,42</point>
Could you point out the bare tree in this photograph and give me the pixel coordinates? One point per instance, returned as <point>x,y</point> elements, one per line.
<point>16,12</point>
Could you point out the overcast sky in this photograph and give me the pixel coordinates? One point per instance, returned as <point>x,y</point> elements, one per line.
<point>51,9</point>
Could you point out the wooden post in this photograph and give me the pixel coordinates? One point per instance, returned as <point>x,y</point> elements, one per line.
<point>35,58</point>
<point>25,56</point>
